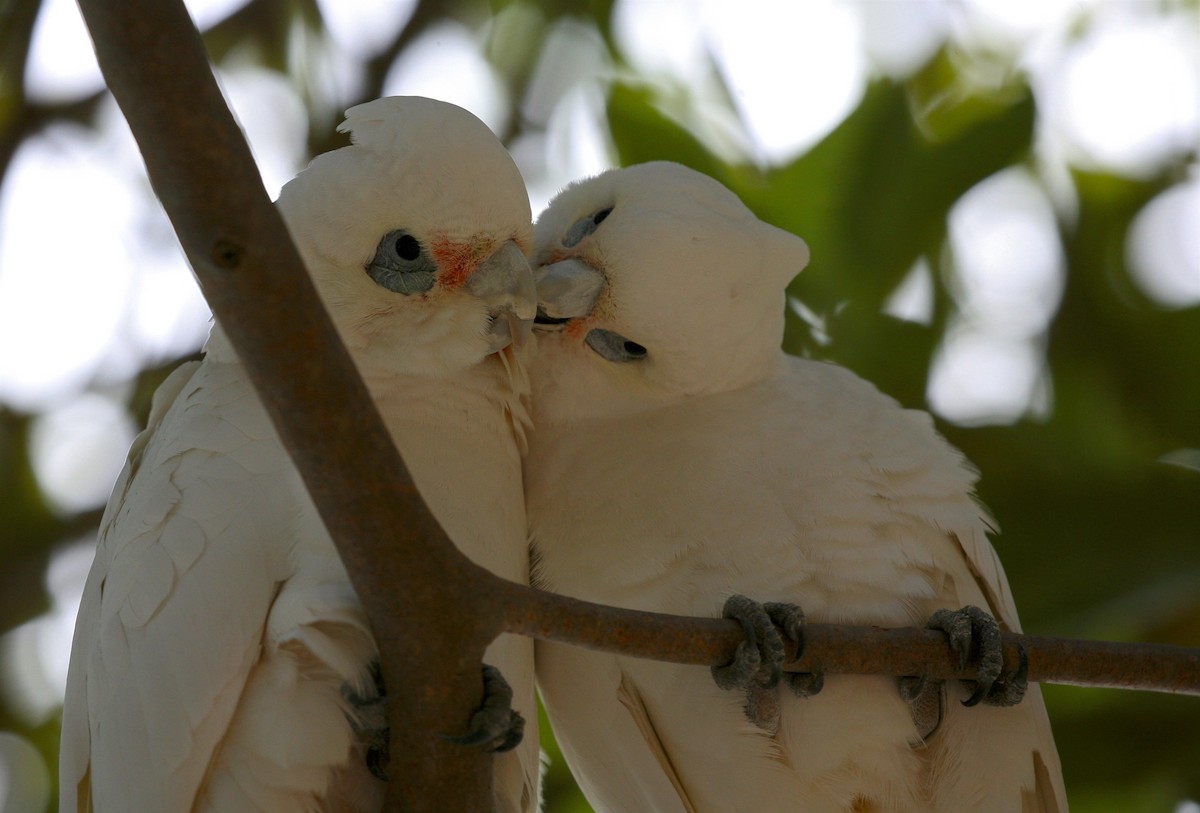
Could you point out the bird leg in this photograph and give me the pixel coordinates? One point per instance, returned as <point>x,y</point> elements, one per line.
<point>974,636</point>
<point>496,726</point>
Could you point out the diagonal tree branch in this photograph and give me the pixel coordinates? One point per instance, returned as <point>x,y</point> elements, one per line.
<point>432,611</point>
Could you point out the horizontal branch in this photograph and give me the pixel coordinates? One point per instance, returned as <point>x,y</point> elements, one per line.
<point>839,649</point>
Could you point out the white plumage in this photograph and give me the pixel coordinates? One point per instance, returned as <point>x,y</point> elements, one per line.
<point>218,635</point>
<point>680,457</point>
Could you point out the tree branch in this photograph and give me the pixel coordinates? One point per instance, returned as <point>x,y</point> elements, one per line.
<point>838,649</point>
<point>432,611</point>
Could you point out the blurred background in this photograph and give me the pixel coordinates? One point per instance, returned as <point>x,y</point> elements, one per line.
<point>1003,206</point>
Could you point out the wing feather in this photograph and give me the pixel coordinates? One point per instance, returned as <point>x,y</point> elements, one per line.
<point>173,614</point>
<point>631,699</point>
<point>75,747</point>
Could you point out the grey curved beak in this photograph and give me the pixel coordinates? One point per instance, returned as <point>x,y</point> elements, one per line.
<point>504,282</point>
<point>567,289</point>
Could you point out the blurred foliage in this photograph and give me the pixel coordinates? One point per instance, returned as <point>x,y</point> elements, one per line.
<point>1100,536</point>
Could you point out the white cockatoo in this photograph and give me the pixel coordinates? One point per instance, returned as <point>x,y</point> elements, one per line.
<point>679,458</point>
<point>222,661</point>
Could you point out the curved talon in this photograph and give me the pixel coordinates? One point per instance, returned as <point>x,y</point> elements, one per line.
<point>974,634</point>
<point>378,758</point>
<point>806,684</point>
<point>496,725</point>
<point>512,737</point>
<point>760,656</point>
<point>1009,689</point>
<point>790,618</point>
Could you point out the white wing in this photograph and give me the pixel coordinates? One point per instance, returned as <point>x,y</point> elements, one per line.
<point>75,748</point>
<point>173,614</point>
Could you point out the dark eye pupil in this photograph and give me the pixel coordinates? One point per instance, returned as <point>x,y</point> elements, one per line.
<point>633,348</point>
<point>598,218</point>
<point>407,247</point>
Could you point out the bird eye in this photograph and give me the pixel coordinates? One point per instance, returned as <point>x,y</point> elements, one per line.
<point>401,265</point>
<point>584,227</point>
<point>407,247</point>
<point>614,347</point>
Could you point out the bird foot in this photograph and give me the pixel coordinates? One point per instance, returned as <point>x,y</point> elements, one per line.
<point>790,619</point>
<point>758,660</point>
<point>974,636</point>
<point>496,726</point>
<point>757,665</point>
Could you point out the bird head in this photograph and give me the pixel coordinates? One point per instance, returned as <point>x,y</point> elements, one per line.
<point>655,283</point>
<point>415,236</point>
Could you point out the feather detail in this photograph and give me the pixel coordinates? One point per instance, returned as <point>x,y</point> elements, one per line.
<point>1042,798</point>
<point>516,405</point>
<point>988,574</point>
<point>631,699</point>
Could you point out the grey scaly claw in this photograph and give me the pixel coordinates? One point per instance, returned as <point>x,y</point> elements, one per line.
<point>1009,688</point>
<point>924,699</point>
<point>758,660</point>
<point>790,618</point>
<point>496,726</point>
<point>975,636</point>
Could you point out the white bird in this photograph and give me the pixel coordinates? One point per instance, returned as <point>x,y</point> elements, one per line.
<point>679,457</point>
<point>222,660</point>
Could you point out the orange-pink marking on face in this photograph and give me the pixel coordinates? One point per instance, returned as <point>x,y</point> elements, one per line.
<point>456,260</point>
<point>559,254</point>
<point>579,327</point>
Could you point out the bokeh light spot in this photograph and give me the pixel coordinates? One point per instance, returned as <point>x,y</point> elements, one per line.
<point>446,63</point>
<point>64,275</point>
<point>1131,94</point>
<point>795,69</point>
<point>1009,266</point>
<point>364,27</point>
<point>1164,246</point>
<point>78,448</point>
